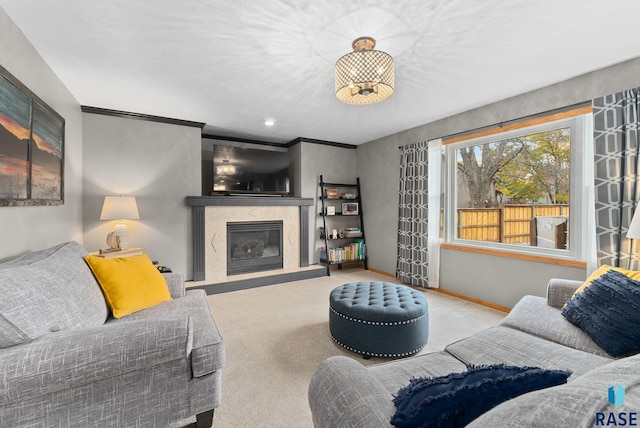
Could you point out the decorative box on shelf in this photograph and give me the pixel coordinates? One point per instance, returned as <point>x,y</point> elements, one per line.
<point>331,193</point>
<point>352,232</point>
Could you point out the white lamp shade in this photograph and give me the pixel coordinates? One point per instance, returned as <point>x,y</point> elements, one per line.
<point>119,208</point>
<point>634,226</point>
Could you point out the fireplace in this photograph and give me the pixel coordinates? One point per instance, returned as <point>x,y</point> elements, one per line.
<point>254,246</point>
<point>210,215</point>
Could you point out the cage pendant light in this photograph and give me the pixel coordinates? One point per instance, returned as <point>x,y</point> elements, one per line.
<point>364,76</point>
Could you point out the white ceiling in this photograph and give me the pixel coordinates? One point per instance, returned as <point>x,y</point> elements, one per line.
<point>233,63</point>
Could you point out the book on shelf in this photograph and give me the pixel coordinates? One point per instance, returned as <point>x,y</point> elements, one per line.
<point>346,253</point>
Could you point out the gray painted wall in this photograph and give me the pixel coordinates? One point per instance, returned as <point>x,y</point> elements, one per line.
<point>489,278</point>
<point>498,280</point>
<point>335,164</point>
<point>159,164</point>
<point>295,169</point>
<point>379,172</point>
<point>25,229</point>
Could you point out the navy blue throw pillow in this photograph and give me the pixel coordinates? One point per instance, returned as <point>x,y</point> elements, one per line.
<point>608,311</point>
<point>458,398</point>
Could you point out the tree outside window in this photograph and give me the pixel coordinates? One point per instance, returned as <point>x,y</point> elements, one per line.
<point>533,168</point>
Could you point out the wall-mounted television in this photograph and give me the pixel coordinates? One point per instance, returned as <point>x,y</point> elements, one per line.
<point>239,170</point>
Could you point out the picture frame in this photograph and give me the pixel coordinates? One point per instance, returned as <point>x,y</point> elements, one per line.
<point>350,208</point>
<point>31,147</point>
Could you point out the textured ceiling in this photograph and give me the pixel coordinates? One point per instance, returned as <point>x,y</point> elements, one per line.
<point>231,64</point>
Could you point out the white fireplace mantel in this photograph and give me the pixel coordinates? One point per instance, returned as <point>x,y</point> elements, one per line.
<point>202,224</point>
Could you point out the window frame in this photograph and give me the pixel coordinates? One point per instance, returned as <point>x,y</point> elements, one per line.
<point>580,126</point>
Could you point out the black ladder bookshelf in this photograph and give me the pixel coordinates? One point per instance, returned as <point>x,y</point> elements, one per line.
<point>342,225</point>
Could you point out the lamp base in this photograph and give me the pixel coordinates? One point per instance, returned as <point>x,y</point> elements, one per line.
<point>113,241</point>
<point>122,231</point>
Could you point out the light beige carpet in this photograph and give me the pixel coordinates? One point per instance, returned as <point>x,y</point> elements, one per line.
<point>276,336</point>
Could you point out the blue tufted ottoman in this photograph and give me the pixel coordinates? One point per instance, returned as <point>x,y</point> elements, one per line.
<point>379,319</point>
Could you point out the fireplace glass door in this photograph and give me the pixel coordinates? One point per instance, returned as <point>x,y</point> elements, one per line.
<point>254,246</point>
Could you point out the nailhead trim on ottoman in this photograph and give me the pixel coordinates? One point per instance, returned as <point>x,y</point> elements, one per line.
<point>379,319</point>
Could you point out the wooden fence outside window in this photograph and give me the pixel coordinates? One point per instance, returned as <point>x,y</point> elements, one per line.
<point>511,224</point>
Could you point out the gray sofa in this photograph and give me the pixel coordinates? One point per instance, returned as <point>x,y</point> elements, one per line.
<point>66,362</point>
<point>344,393</point>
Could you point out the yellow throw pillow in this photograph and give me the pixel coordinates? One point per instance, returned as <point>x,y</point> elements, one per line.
<point>129,284</point>
<point>604,269</point>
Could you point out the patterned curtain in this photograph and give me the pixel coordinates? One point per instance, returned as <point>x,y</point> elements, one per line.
<point>413,256</point>
<point>616,150</point>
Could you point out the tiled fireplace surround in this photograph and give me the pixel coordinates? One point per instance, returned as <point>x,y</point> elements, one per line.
<point>210,215</point>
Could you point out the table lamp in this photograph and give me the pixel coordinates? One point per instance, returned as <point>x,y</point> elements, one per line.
<point>120,208</point>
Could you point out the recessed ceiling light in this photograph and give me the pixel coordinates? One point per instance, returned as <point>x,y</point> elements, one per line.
<point>269,122</point>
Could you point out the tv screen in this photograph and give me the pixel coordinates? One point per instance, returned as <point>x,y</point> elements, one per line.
<point>245,171</point>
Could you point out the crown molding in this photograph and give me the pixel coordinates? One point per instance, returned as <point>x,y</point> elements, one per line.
<point>287,145</point>
<point>140,116</point>
<point>241,140</point>
<point>160,119</point>
<point>321,142</point>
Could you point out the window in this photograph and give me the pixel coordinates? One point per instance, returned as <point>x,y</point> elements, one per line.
<point>520,190</point>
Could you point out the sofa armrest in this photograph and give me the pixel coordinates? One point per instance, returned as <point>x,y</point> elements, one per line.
<point>58,361</point>
<point>175,282</point>
<point>343,394</point>
<point>559,291</point>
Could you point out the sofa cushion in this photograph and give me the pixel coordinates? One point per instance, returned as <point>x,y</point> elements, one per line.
<point>608,311</point>
<point>207,355</point>
<point>533,315</point>
<point>34,256</point>
<point>48,291</point>
<point>458,398</point>
<point>575,404</point>
<point>129,284</point>
<point>516,348</point>
<point>72,358</point>
<point>24,319</point>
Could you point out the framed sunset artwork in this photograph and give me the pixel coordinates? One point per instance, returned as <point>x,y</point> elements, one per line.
<point>31,147</point>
